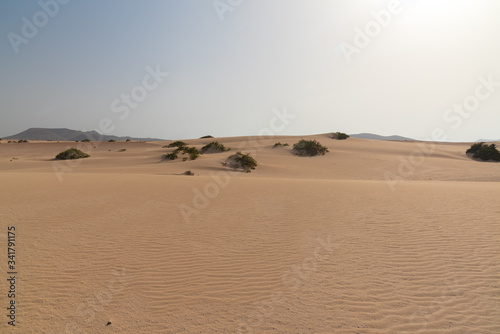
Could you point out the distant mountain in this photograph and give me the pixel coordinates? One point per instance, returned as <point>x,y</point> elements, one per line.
<point>378,137</point>
<point>486,140</point>
<point>64,134</point>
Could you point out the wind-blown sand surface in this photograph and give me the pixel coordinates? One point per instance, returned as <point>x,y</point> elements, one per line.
<point>300,245</point>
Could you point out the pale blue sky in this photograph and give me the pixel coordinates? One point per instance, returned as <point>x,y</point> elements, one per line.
<point>227,76</point>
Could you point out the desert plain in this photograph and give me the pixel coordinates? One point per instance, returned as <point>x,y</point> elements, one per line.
<point>373,237</point>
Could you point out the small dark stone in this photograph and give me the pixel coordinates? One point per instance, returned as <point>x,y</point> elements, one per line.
<point>109,323</point>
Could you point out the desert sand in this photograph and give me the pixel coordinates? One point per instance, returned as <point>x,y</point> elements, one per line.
<point>373,237</point>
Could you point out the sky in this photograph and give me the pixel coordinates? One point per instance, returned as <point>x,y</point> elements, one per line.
<point>426,69</point>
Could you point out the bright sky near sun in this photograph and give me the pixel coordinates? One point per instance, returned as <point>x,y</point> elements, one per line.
<point>187,68</point>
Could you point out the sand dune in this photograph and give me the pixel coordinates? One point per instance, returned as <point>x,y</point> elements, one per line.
<point>373,237</point>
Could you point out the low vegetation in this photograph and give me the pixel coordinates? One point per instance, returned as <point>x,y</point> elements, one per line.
<point>214,147</point>
<point>111,141</point>
<point>278,144</point>
<point>182,149</point>
<point>484,152</point>
<point>340,136</point>
<point>85,140</point>
<point>191,151</point>
<point>71,154</point>
<point>241,161</point>
<point>204,137</point>
<point>309,148</point>
<point>122,150</point>
<point>178,144</point>
<point>171,156</point>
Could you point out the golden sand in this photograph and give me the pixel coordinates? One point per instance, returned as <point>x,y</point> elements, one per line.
<point>373,237</point>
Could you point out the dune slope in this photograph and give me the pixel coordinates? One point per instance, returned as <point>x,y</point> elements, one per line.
<point>301,245</point>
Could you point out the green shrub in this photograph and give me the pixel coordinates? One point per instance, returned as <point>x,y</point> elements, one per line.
<point>309,148</point>
<point>474,148</point>
<point>72,153</point>
<point>111,141</point>
<point>280,144</point>
<point>192,151</point>
<point>241,161</point>
<point>484,152</point>
<point>122,150</point>
<point>127,140</point>
<point>213,147</point>
<point>204,137</point>
<point>178,144</point>
<point>340,136</point>
<point>85,140</point>
<point>171,156</point>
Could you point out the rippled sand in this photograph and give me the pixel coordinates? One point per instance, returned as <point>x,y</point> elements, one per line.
<point>300,245</point>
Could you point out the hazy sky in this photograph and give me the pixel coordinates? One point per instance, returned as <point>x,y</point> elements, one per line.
<point>387,67</point>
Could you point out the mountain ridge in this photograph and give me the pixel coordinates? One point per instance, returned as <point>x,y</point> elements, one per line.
<point>65,134</point>
<point>373,136</point>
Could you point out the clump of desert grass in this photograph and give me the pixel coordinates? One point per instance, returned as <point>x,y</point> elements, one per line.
<point>187,153</point>
<point>241,161</point>
<point>171,156</point>
<point>192,152</point>
<point>214,147</point>
<point>485,152</point>
<point>72,153</point>
<point>309,148</point>
<point>179,144</point>
<point>340,136</point>
<point>279,144</point>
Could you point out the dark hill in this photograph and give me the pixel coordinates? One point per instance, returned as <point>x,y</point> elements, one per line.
<point>63,134</point>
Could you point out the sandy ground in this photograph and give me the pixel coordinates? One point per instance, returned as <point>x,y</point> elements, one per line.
<point>373,237</point>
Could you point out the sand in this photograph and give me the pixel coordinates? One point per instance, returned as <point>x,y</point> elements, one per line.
<point>373,237</point>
